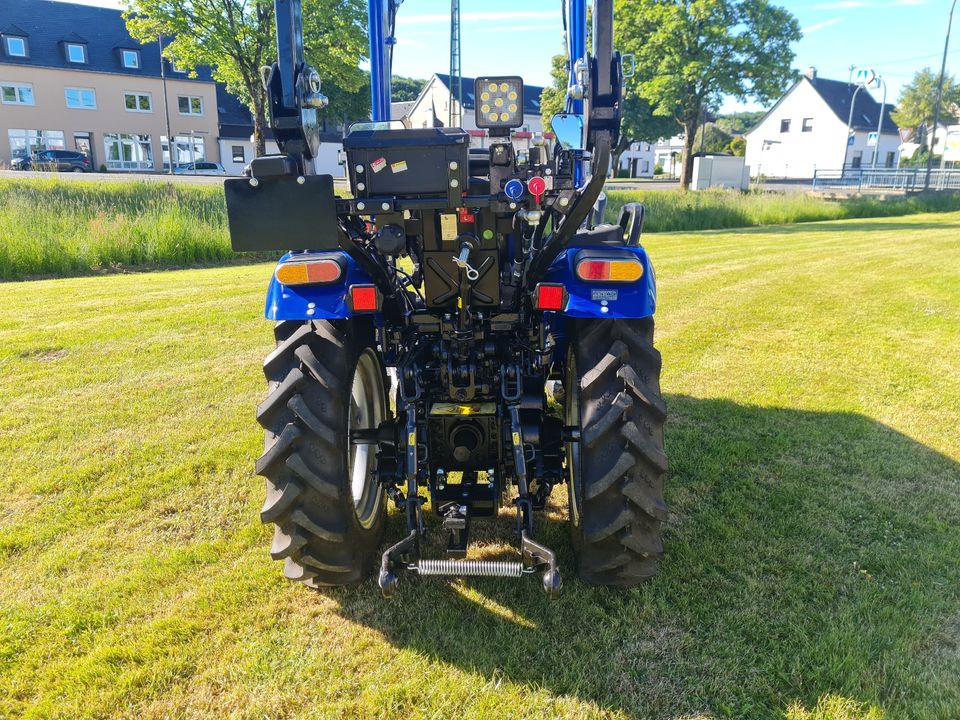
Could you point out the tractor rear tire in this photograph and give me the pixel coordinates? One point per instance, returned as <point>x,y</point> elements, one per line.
<point>322,497</point>
<point>617,468</point>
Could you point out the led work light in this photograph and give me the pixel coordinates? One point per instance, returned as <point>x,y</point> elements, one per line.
<point>499,102</point>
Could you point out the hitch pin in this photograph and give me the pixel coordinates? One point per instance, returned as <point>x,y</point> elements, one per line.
<point>463,264</point>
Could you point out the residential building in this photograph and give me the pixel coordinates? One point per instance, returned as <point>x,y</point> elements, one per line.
<point>668,154</point>
<point>432,109</point>
<point>638,160</point>
<point>235,139</point>
<point>72,78</point>
<point>806,130</point>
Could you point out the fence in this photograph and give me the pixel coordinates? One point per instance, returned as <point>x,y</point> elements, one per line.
<point>901,179</point>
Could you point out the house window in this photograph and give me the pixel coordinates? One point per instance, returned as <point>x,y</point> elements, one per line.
<point>186,149</point>
<point>190,105</point>
<point>238,154</point>
<point>784,126</point>
<point>81,98</point>
<point>16,46</point>
<point>128,152</point>
<point>130,59</point>
<point>807,125</point>
<point>891,159</point>
<point>16,94</point>
<point>27,142</point>
<point>175,67</point>
<point>137,102</point>
<point>857,161</point>
<point>76,53</point>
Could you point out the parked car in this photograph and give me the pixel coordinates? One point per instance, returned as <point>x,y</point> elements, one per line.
<point>59,160</point>
<point>201,167</point>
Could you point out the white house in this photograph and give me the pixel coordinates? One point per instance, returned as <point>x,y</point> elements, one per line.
<point>638,160</point>
<point>668,154</point>
<point>806,130</point>
<point>432,109</point>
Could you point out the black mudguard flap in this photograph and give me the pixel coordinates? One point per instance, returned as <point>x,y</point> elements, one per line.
<point>281,214</point>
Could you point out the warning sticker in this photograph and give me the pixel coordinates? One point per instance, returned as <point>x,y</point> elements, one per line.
<point>378,164</point>
<point>399,167</point>
<point>457,409</point>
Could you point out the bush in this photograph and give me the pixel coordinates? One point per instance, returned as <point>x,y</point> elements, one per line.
<point>658,169</point>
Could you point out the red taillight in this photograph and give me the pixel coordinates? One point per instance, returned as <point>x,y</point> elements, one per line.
<point>364,298</point>
<point>619,270</point>
<point>548,296</point>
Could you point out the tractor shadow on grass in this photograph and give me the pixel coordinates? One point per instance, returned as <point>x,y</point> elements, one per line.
<point>808,554</point>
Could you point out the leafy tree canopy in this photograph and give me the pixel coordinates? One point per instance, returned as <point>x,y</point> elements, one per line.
<point>236,38</point>
<point>404,89</point>
<point>915,107</point>
<point>690,54</point>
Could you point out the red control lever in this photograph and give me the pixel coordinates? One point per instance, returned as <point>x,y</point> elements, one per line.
<point>537,186</point>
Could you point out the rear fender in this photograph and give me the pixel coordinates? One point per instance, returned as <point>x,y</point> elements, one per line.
<point>636,299</point>
<point>314,302</point>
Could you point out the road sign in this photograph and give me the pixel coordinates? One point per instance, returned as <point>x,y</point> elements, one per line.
<point>872,138</point>
<point>865,76</point>
<point>850,140</point>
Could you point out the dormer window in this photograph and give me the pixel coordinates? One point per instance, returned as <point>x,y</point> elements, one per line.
<point>130,59</point>
<point>15,45</point>
<point>76,52</point>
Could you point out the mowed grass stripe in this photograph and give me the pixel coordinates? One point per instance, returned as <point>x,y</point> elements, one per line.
<point>813,382</point>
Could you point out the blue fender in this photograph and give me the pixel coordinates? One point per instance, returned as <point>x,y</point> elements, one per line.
<point>314,302</point>
<point>605,300</point>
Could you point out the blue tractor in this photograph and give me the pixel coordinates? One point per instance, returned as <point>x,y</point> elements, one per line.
<point>420,321</point>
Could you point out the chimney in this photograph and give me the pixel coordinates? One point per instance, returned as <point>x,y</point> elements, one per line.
<point>811,74</point>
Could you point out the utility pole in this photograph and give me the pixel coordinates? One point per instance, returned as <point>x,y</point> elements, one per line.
<point>936,110</point>
<point>853,102</point>
<point>166,110</point>
<point>456,81</point>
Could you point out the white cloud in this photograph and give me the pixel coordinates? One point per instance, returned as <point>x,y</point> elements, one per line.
<point>820,25</point>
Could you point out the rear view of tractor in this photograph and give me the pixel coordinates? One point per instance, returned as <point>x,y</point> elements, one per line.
<point>419,321</point>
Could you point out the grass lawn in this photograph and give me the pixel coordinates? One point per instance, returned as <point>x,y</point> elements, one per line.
<point>813,557</point>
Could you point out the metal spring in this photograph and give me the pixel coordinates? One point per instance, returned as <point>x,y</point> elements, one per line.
<point>486,568</point>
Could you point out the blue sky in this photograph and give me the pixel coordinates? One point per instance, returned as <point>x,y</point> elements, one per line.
<point>895,37</point>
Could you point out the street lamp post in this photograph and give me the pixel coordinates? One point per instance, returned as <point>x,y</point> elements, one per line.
<point>936,109</point>
<point>166,110</point>
<point>883,105</point>
<point>853,103</point>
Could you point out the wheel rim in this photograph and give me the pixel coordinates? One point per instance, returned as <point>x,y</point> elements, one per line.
<point>366,411</point>
<point>572,414</point>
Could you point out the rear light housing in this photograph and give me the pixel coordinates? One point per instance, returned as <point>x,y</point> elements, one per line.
<point>364,298</point>
<point>549,296</point>
<point>307,270</point>
<point>596,268</point>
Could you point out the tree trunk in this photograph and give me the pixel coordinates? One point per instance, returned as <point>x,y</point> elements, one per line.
<point>617,152</point>
<point>259,125</point>
<point>689,135</point>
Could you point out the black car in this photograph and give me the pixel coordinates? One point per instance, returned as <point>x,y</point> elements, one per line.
<point>60,160</point>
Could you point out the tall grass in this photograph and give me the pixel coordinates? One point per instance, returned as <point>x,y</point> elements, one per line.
<point>719,209</point>
<point>52,227</point>
<point>48,227</point>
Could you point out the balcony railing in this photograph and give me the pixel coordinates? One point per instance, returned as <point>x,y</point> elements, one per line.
<point>136,165</point>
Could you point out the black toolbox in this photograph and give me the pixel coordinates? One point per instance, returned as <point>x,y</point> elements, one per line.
<point>420,162</point>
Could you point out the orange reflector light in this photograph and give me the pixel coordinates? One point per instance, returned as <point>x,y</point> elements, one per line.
<point>547,296</point>
<point>309,273</point>
<point>364,298</point>
<point>595,270</point>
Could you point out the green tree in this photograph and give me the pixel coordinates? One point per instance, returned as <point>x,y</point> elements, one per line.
<point>404,89</point>
<point>692,53</point>
<point>737,146</point>
<point>918,98</point>
<point>741,122</point>
<point>554,96</point>
<point>711,138</point>
<point>236,38</point>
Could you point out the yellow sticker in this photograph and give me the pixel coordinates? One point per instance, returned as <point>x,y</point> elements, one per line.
<point>399,167</point>
<point>486,408</point>
<point>516,438</point>
<point>412,439</point>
